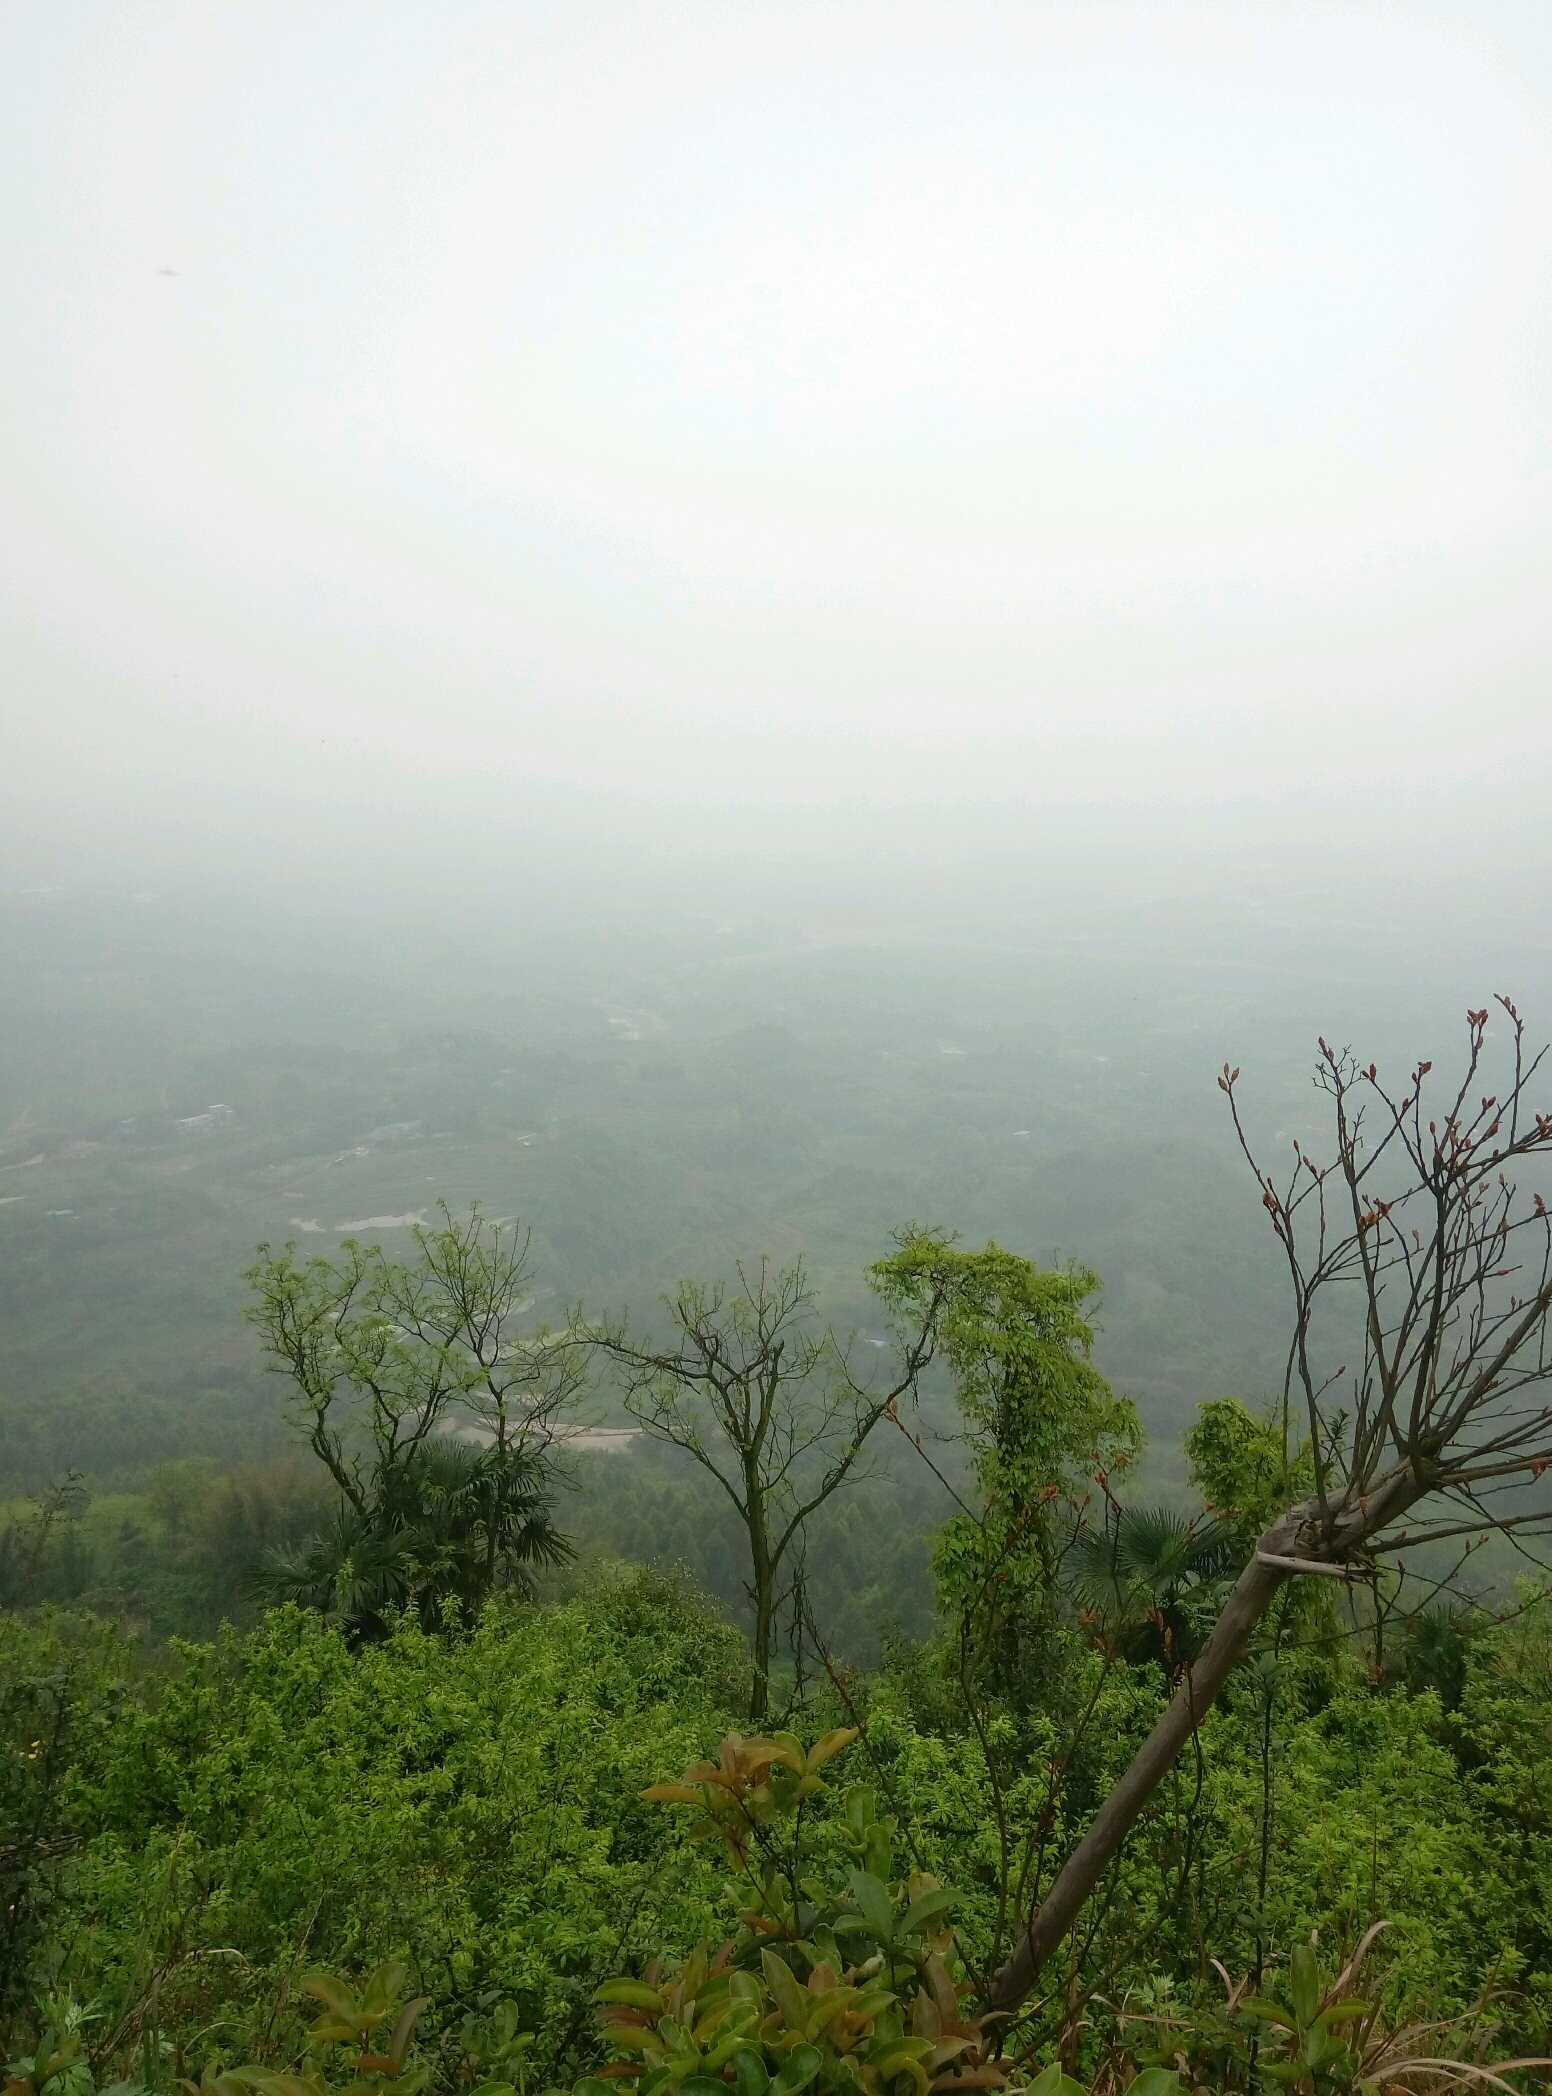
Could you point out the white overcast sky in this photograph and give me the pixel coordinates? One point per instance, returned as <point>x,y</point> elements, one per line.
<point>1009,402</point>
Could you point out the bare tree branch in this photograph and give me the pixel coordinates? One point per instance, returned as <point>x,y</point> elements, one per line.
<point>1420,1268</point>
<point>766,1401</point>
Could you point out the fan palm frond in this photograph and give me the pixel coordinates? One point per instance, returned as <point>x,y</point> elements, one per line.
<point>1145,1557</point>
<point>447,1523</point>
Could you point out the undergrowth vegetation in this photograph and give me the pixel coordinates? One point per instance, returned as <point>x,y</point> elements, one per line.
<point>479,1820</point>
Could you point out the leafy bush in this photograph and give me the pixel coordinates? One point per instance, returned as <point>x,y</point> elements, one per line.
<point>852,1989</point>
<point>62,1680</point>
<point>281,1797</point>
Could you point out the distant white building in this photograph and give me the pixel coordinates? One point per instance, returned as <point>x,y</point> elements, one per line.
<point>202,1123</point>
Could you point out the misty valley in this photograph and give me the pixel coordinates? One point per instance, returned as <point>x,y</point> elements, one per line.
<point>166,1110</point>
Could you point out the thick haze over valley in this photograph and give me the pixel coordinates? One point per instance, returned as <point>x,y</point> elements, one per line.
<point>721,627</point>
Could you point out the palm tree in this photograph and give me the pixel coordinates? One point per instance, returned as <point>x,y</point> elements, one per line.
<point>449,1525</point>
<point>1434,1654</point>
<point>1136,1578</point>
<point>349,1570</point>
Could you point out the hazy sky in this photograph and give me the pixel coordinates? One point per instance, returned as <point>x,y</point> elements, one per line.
<point>1002,402</point>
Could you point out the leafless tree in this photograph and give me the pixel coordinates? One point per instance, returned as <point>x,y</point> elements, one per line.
<point>766,1401</point>
<point>1415,1241</point>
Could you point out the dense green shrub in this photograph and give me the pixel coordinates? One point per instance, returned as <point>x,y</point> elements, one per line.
<point>62,1684</point>
<point>210,1830</point>
<point>475,1801</point>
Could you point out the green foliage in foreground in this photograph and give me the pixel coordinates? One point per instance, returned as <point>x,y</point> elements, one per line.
<point>470,1808</point>
<point>280,1798</point>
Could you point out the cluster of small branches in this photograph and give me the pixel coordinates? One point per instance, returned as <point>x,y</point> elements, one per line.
<point>1417,1228</point>
<point>390,1354</point>
<point>767,1401</point>
<point>1420,1214</point>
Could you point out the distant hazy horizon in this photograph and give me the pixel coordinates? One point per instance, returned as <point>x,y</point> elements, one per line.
<point>440,427</point>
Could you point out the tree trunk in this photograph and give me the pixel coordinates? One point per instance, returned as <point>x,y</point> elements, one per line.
<point>1249,1602</point>
<point>763,1580</point>
<point>764,1630</point>
<point>1242,1614</point>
